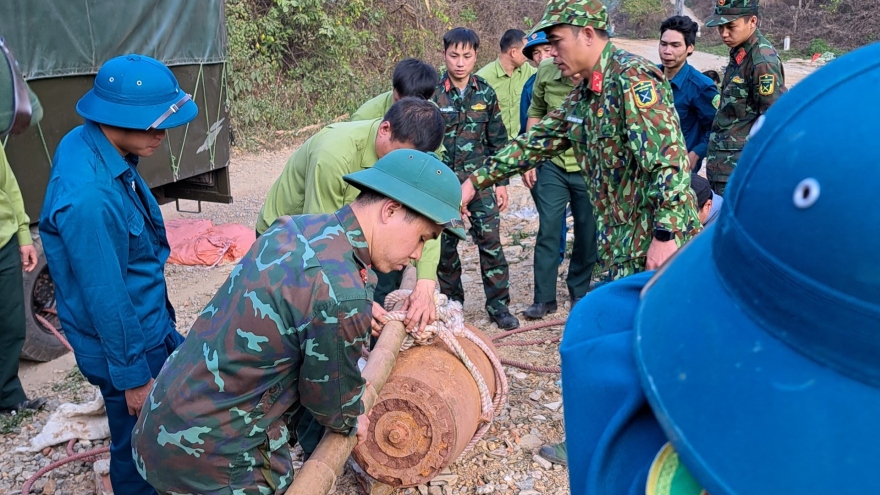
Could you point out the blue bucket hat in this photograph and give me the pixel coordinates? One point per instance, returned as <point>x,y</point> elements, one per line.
<point>770,381</point>
<point>534,39</point>
<point>137,92</point>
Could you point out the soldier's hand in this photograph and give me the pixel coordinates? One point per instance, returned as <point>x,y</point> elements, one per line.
<point>468,191</point>
<point>363,428</point>
<point>135,397</point>
<point>530,177</point>
<point>659,252</point>
<point>693,159</point>
<point>379,319</point>
<point>28,257</point>
<point>501,197</point>
<point>419,306</point>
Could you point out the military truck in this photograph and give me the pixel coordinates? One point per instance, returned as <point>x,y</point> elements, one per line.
<point>60,45</point>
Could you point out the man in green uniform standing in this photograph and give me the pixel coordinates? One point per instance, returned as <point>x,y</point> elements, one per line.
<point>474,130</point>
<point>622,126</point>
<point>555,184</point>
<point>754,80</point>
<point>412,77</point>
<point>19,109</point>
<point>507,75</point>
<point>284,334</point>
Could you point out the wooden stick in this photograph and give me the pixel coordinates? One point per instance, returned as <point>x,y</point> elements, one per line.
<point>318,474</point>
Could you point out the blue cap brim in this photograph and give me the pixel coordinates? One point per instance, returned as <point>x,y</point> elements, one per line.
<point>140,117</point>
<point>745,412</point>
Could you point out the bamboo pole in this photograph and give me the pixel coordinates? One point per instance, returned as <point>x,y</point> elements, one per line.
<point>318,474</point>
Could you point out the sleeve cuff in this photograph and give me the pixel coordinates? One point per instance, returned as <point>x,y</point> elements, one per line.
<point>24,237</point>
<point>131,376</point>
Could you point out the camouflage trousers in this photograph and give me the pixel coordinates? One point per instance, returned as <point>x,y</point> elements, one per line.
<point>485,227</point>
<point>617,271</point>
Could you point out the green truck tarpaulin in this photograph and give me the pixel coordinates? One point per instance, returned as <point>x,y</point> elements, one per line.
<point>56,38</point>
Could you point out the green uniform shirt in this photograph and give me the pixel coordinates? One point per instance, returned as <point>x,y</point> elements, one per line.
<point>753,81</point>
<point>550,91</point>
<point>311,181</point>
<point>283,333</point>
<point>624,131</point>
<point>374,108</point>
<point>508,89</point>
<point>13,220</point>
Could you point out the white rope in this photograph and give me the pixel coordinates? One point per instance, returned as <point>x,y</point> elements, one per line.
<point>449,327</point>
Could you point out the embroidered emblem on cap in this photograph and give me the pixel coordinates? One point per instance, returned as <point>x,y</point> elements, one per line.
<point>646,94</point>
<point>766,84</point>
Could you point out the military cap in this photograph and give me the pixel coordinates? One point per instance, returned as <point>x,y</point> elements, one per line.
<point>575,12</point>
<point>534,39</point>
<point>731,10</point>
<point>418,181</point>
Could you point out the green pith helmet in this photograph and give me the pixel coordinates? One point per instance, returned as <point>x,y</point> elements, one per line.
<point>731,10</point>
<point>575,12</point>
<point>418,181</point>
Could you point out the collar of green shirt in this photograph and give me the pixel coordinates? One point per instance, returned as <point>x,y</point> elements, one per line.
<point>597,80</point>
<point>737,54</point>
<point>447,83</point>
<point>355,235</point>
<point>369,157</point>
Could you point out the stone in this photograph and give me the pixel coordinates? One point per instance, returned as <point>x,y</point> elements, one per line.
<point>49,487</point>
<point>423,489</point>
<point>544,463</point>
<point>554,406</point>
<point>536,395</point>
<point>530,442</point>
<point>485,489</point>
<point>513,251</point>
<point>529,492</point>
<point>435,490</point>
<point>526,484</point>
<point>446,477</point>
<point>466,279</point>
<point>520,376</point>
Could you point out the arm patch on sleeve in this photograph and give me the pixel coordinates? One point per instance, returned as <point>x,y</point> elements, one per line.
<point>766,84</point>
<point>646,94</point>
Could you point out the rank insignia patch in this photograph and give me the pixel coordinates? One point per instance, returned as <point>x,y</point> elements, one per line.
<point>646,94</point>
<point>737,80</point>
<point>767,84</point>
<point>478,107</point>
<point>716,101</point>
<point>600,112</point>
<point>740,56</point>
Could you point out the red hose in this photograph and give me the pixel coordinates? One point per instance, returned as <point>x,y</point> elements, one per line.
<point>529,328</point>
<point>88,456</point>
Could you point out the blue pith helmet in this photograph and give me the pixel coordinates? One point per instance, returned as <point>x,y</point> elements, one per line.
<point>769,380</point>
<point>137,92</point>
<point>534,39</point>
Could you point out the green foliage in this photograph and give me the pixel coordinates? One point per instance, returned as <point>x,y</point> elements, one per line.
<point>280,50</point>
<point>831,6</point>
<point>640,11</point>
<point>468,15</point>
<point>820,46</point>
<point>11,422</point>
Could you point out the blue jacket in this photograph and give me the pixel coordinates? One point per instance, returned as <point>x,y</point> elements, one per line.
<point>694,96</point>
<point>525,100</point>
<point>611,434</point>
<point>106,249</point>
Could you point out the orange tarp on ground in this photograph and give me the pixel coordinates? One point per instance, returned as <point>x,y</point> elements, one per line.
<point>200,242</point>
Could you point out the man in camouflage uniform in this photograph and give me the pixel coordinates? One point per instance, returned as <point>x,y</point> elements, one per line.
<point>754,80</point>
<point>474,130</point>
<point>284,334</point>
<point>622,126</point>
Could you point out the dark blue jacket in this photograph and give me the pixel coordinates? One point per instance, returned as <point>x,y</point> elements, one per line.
<point>525,100</point>
<point>695,100</point>
<point>105,243</point>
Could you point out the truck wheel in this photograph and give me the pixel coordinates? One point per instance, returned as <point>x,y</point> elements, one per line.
<point>39,298</point>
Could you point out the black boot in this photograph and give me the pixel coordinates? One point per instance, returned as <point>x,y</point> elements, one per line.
<point>505,320</point>
<point>540,310</point>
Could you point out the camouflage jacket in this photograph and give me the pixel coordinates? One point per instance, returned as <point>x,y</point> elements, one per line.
<point>626,137</point>
<point>474,127</point>
<point>754,80</point>
<point>284,331</point>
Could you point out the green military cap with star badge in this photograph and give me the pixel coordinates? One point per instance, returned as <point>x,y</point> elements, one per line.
<point>575,12</point>
<point>731,10</point>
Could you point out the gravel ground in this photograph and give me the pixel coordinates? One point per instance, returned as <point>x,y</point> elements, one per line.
<point>503,462</point>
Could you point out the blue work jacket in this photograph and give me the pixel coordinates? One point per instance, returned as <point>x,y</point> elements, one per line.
<point>694,95</point>
<point>104,240</point>
<point>525,101</point>
<point>611,433</point>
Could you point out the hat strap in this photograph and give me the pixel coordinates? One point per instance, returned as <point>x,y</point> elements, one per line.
<point>171,111</point>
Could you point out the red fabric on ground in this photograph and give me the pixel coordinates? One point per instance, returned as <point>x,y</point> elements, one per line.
<point>200,242</point>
